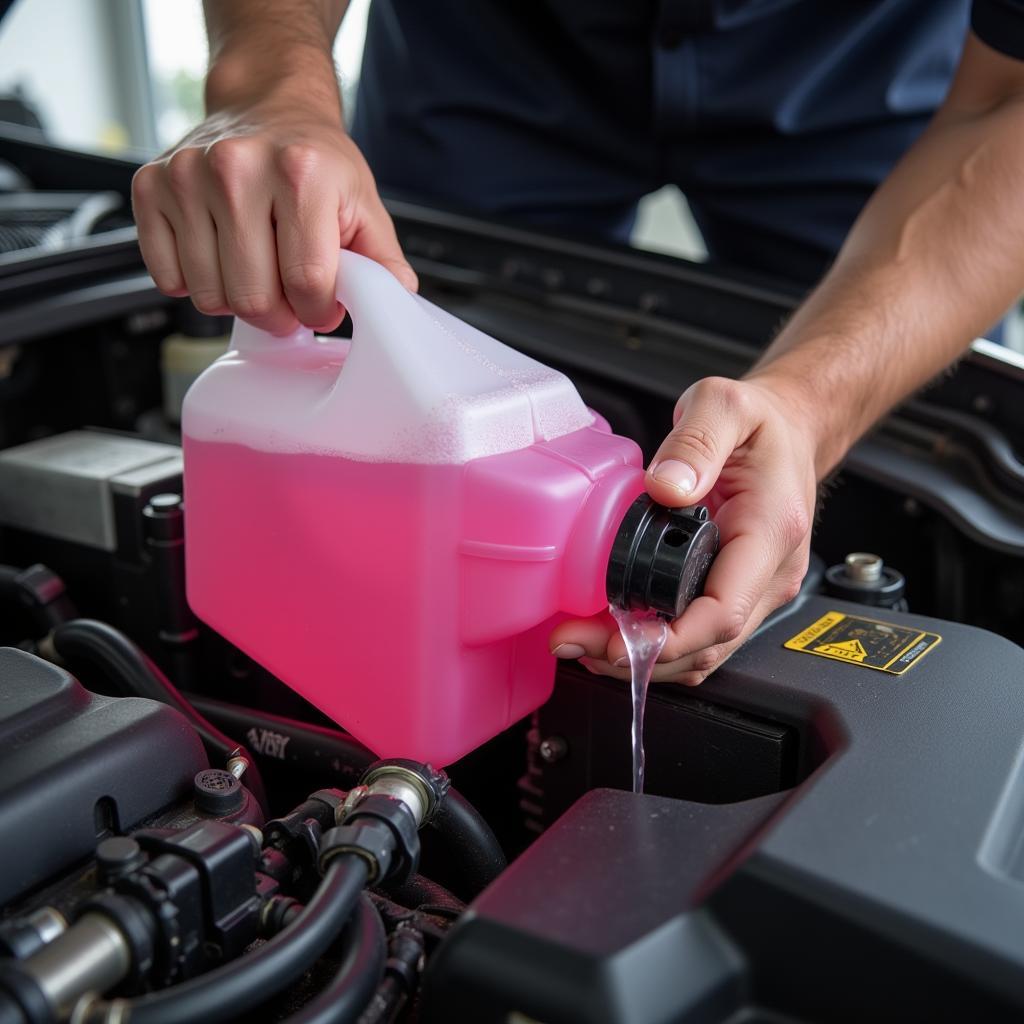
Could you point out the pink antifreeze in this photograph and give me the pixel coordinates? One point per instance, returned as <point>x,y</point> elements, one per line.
<point>393,525</point>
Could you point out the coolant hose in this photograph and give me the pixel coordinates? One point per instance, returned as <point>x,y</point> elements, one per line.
<point>405,962</point>
<point>313,750</point>
<point>234,989</point>
<point>347,994</point>
<point>119,659</point>
<point>469,841</point>
<point>464,829</point>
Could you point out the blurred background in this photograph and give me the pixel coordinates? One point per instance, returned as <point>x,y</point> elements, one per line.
<point>126,76</point>
<point>115,75</point>
<point>122,75</point>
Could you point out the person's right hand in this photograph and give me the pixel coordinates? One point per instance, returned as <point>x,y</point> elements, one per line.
<point>248,212</point>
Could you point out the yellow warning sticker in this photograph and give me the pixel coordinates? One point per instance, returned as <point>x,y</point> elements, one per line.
<point>879,645</point>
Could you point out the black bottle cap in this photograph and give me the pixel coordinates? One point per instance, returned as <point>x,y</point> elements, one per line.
<point>660,557</point>
<point>217,792</point>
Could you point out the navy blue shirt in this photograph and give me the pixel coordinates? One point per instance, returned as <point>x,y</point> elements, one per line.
<point>777,118</point>
<point>1000,24</point>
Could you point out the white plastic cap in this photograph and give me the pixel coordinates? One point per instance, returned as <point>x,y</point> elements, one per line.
<point>418,385</point>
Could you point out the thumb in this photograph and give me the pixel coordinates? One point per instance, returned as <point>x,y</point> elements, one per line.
<point>709,427</point>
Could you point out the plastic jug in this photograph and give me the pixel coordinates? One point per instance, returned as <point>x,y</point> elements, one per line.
<point>392,526</point>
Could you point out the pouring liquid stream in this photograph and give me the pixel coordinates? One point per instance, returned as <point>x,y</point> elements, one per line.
<point>644,633</point>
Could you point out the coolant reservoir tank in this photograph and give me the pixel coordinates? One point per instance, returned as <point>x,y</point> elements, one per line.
<point>392,526</point>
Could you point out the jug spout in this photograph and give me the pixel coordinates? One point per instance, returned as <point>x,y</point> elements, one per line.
<point>660,557</point>
<point>629,551</point>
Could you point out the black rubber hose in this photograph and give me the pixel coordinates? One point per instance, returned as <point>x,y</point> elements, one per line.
<point>242,985</point>
<point>406,952</point>
<point>422,892</point>
<point>464,828</point>
<point>313,750</point>
<point>348,993</point>
<point>317,751</point>
<point>9,1012</point>
<point>119,659</point>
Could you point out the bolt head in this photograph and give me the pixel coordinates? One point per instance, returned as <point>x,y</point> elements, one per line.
<point>553,749</point>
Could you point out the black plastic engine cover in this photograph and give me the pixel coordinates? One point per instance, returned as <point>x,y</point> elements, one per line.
<point>887,885</point>
<point>75,767</point>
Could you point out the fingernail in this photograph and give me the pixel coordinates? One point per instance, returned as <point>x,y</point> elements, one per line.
<point>622,662</point>
<point>679,475</point>
<point>569,651</point>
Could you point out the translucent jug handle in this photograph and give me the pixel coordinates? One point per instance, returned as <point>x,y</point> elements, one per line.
<point>361,285</point>
<point>418,380</point>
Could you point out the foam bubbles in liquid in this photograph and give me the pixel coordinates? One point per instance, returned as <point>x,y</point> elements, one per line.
<point>644,633</point>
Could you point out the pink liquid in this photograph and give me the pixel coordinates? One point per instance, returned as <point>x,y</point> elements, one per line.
<point>411,603</point>
<point>644,633</point>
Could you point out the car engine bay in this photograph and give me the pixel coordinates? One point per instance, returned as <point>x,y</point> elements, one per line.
<point>825,835</point>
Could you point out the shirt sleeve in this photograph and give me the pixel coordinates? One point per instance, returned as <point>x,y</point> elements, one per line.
<point>1000,24</point>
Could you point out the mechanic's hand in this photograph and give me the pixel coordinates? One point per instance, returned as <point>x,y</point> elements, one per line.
<point>743,449</point>
<point>247,214</point>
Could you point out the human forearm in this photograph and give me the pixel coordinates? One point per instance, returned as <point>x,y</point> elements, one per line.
<point>936,257</point>
<point>280,48</point>
<point>247,213</point>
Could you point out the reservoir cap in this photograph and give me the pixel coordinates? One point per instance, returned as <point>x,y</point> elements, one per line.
<point>660,557</point>
<point>863,577</point>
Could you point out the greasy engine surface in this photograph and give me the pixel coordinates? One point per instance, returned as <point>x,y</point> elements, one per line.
<point>877,830</point>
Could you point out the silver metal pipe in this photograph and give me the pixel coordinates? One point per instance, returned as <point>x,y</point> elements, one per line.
<point>91,956</point>
<point>403,788</point>
<point>397,780</point>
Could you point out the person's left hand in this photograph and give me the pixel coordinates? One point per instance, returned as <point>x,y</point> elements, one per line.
<point>746,450</point>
